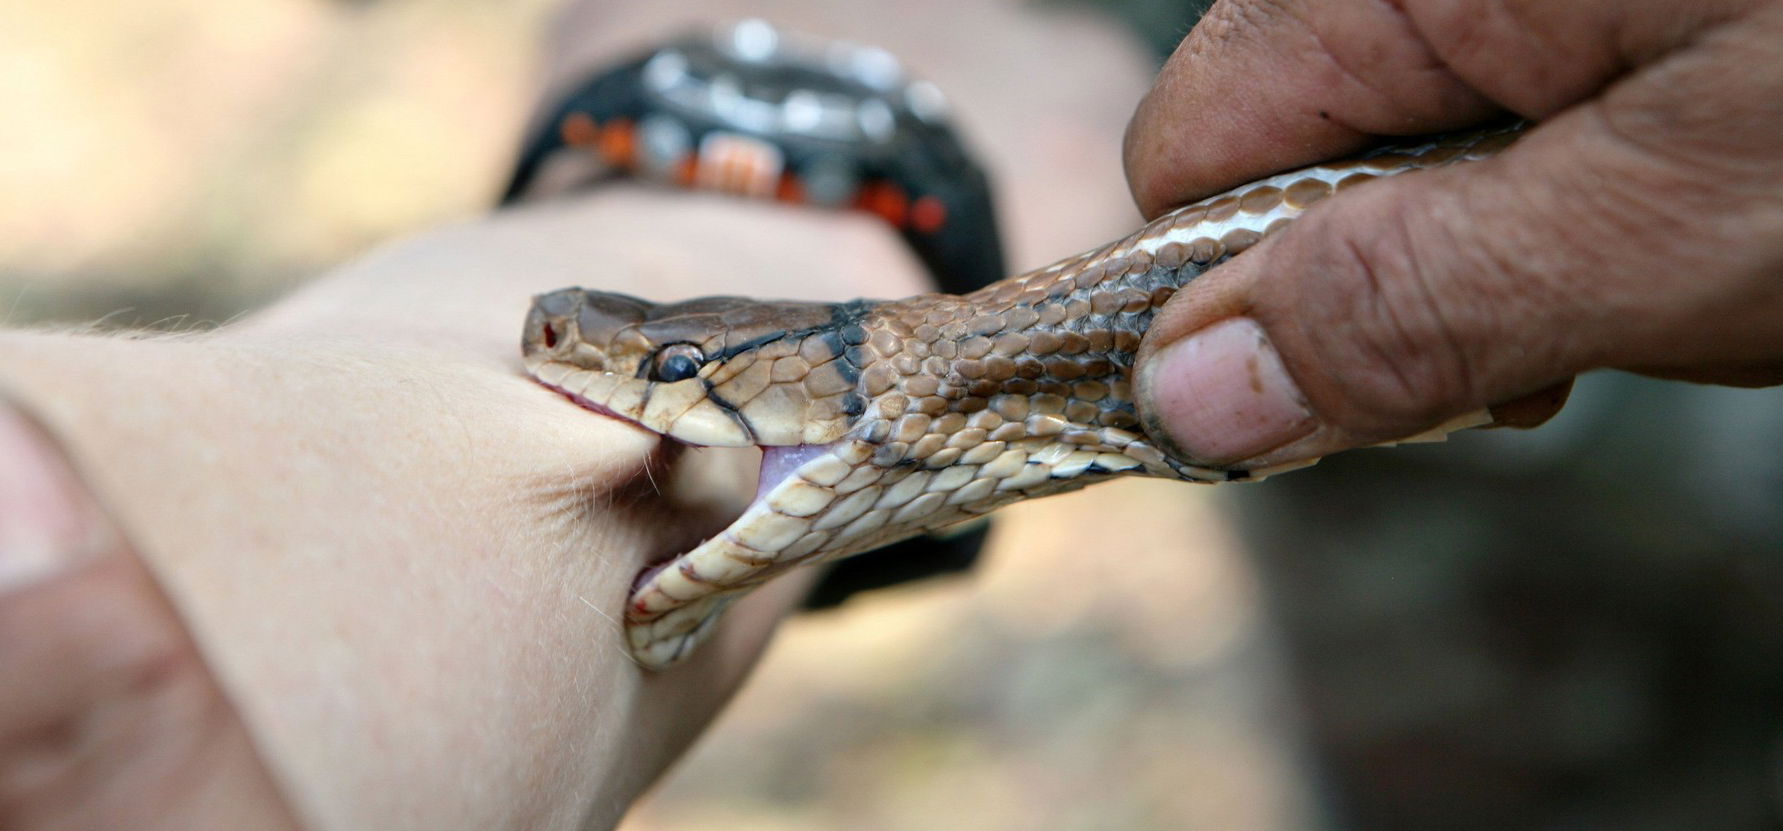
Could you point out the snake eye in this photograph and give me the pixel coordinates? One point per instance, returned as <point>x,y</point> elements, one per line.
<point>676,362</point>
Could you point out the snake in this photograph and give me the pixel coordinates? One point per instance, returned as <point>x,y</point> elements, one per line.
<point>882,419</point>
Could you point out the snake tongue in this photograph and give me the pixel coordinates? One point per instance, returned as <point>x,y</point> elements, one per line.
<point>779,461</point>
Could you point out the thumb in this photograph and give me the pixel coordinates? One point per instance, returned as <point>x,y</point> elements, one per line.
<point>1419,301</point>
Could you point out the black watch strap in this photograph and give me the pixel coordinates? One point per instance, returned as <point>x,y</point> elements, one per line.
<point>749,110</point>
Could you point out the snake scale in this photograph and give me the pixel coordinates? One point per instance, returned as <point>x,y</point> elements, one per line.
<point>880,419</point>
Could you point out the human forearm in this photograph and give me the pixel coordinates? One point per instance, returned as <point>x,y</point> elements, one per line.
<point>355,494</point>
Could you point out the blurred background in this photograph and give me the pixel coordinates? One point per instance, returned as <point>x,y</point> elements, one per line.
<point>1580,627</point>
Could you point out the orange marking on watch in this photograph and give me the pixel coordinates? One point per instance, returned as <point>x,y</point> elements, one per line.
<point>790,189</point>
<point>579,130</point>
<point>619,143</point>
<point>928,214</point>
<point>885,199</point>
<point>687,170</point>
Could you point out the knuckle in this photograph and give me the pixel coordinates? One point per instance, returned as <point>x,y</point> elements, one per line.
<point>1396,336</point>
<point>1652,244</point>
<point>1229,21</point>
<point>112,632</point>
<point>112,674</point>
<point>1153,147</point>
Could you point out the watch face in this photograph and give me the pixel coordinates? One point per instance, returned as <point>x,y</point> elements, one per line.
<point>752,79</point>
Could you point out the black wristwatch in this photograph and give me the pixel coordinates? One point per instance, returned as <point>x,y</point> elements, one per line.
<point>751,110</point>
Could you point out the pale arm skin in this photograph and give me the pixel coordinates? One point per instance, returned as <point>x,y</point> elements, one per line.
<point>1638,226</point>
<point>402,558</point>
<point>403,561</point>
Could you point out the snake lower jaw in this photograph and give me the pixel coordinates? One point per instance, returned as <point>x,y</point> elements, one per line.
<point>675,602</point>
<point>694,623</point>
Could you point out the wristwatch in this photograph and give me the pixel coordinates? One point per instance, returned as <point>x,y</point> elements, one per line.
<point>751,110</point>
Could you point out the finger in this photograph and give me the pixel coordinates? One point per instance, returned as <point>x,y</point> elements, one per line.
<point>1532,410</point>
<point>108,716</point>
<point>1638,229</point>
<point>1261,86</point>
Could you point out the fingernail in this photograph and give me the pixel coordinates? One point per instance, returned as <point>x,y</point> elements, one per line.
<point>48,522</point>
<point>1222,395</point>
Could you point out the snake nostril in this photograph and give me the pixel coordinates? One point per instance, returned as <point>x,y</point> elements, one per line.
<point>550,334</point>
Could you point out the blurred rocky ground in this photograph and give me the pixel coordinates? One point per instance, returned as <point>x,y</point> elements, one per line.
<point>1579,627</point>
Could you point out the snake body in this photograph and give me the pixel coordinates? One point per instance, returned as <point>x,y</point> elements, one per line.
<point>879,420</point>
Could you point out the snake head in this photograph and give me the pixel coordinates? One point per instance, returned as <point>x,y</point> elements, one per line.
<point>714,371</point>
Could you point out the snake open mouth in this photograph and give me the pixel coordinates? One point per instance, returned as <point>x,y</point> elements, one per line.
<point>778,464</point>
<point>777,461</point>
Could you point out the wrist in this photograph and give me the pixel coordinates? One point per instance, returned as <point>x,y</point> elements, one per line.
<point>464,289</point>
<point>357,489</point>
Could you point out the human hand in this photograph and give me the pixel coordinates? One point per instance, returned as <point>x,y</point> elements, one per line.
<point>1639,225</point>
<point>109,717</point>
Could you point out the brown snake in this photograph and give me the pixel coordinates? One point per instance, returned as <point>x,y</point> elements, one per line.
<point>879,420</point>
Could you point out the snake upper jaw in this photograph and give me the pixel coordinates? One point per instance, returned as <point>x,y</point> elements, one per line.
<point>680,411</point>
